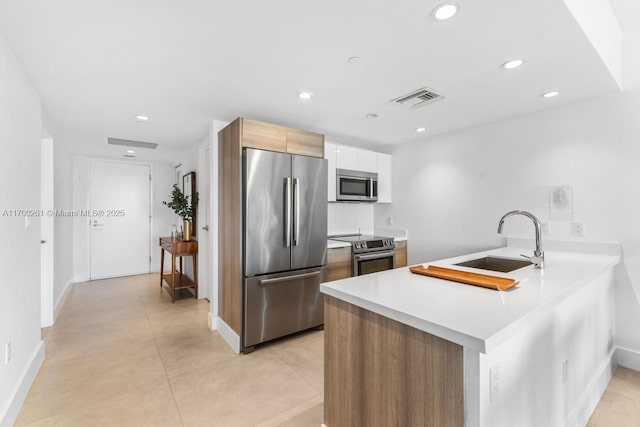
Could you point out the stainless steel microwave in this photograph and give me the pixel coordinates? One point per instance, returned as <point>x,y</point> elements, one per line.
<point>356,186</point>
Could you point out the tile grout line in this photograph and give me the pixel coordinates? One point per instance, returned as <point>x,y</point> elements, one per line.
<point>166,374</point>
<point>298,373</point>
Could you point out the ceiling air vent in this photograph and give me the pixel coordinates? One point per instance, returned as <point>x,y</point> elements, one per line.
<point>130,143</point>
<point>418,98</point>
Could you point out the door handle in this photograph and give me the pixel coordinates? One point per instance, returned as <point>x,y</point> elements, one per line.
<point>287,212</point>
<point>205,228</point>
<point>375,256</point>
<point>42,242</point>
<point>296,211</point>
<point>288,278</point>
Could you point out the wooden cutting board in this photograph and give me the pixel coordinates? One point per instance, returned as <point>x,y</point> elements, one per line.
<point>475,279</point>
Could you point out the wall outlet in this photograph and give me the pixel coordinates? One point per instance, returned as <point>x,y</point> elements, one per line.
<point>578,229</point>
<point>7,353</point>
<point>546,228</point>
<point>565,371</point>
<point>389,221</point>
<point>494,383</point>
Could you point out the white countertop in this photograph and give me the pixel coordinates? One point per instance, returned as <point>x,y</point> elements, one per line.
<point>471,316</point>
<point>333,244</point>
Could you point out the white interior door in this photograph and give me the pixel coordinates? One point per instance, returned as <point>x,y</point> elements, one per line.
<point>46,233</point>
<point>119,203</point>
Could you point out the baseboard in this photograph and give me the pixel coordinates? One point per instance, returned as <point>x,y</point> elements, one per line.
<point>593,392</point>
<point>628,358</point>
<point>9,417</point>
<point>62,300</point>
<point>79,278</point>
<point>212,322</point>
<point>228,334</point>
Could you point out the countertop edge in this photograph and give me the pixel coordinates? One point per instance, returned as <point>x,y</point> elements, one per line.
<point>440,331</point>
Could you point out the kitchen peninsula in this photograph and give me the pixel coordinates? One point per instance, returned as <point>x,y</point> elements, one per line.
<point>405,349</point>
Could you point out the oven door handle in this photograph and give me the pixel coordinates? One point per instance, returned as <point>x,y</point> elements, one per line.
<point>374,256</point>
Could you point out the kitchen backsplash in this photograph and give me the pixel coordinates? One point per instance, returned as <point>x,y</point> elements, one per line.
<point>347,218</point>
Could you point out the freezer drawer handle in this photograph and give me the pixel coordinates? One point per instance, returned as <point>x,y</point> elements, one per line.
<point>287,278</point>
<point>296,211</point>
<point>287,212</point>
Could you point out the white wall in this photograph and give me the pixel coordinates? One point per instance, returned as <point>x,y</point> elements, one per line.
<point>162,217</point>
<point>20,133</point>
<point>63,226</point>
<point>449,191</point>
<point>189,163</point>
<point>349,218</point>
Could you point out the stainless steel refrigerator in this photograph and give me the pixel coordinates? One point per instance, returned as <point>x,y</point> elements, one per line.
<point>285,244</point>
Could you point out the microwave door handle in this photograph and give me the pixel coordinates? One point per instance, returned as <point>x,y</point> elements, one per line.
<point>287,212</point>
<point>296,211</point>
<point>370,188</point>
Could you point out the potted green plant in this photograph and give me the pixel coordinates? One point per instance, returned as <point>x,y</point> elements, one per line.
<point>185,207</point>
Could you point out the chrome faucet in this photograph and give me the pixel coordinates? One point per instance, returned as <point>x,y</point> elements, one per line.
<point>538,255</point>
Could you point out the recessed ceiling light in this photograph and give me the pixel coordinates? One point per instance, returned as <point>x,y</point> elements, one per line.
<point>550,94</point>
<point>421,129</point>
<point>354,60</point>
<point>141,118</point>
<point>445,11</point>
<point>131,152</point>
<point>514,63</point>
<point>371,116</point>
<point>305,95</point>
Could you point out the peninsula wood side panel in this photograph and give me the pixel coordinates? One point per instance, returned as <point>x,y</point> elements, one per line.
<point>338,263</point>
<point>230,226</point>
<point>379,372</point>
<point>401,254</point>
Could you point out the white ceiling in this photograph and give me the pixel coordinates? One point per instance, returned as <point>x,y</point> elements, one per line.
<point>97,64</point>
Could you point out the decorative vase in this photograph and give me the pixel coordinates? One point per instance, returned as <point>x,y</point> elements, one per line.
<point>186,233</point>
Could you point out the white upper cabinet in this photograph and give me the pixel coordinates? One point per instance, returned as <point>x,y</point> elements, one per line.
<point>330,155</point>
<point>384,177</point>
<point>367,161</point>
<point>347,157</point>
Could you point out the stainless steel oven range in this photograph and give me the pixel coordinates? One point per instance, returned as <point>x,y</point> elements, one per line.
<point>370,254</point>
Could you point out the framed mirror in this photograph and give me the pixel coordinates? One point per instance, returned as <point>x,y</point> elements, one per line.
<point>189,189</point>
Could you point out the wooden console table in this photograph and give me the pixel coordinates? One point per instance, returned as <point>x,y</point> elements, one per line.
<point>177,280</point>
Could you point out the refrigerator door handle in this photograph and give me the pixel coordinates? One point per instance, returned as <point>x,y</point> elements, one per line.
<point>287,212</point>
<point>296,211</point>
<point>287,278</point>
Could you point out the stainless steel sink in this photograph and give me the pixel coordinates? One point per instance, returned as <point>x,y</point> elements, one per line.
<point>503,265</point>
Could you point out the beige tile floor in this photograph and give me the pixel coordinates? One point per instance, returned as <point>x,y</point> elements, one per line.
<point>620,403</point>
<point>121,354</point>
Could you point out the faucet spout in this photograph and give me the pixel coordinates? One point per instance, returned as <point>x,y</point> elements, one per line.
<point>538,255</point>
